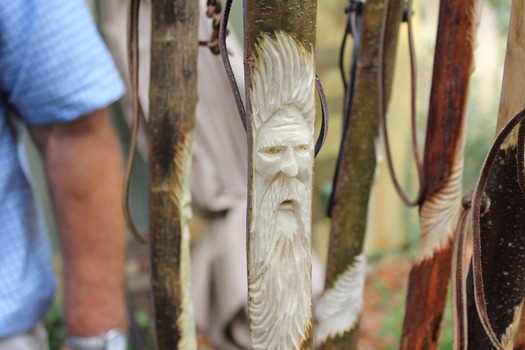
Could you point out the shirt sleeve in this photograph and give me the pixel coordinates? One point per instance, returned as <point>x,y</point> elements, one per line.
<point>54,66</point>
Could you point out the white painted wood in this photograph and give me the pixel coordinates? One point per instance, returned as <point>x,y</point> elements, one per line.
<point>338,310</point>
<point>279,257</point>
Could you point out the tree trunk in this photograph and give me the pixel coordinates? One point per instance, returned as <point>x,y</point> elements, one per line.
<point>341,304</point>
<point>173,96</point>
<point>443,173</point>
<point>280,74</point>
<point>503,227</point>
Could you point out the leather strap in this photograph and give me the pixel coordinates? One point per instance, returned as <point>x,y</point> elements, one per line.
<point>383,107</point>
<point>137,111</point>
<point>480,203</point>
<point>223,31</point>
<point>354,19</point>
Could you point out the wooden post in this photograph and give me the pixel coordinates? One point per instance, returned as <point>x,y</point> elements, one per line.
<point>341,305</point>
<point>443,173</point>
<point>280,80</point>
<point>173,96</point>
<point>503,226</point>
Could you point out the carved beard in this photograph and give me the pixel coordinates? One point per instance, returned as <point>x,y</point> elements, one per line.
<point>280,264</point>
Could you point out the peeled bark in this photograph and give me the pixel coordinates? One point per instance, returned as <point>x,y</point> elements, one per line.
<point>443,173</point>
<point>280,77</point>
<point>173,96</point>
<point>340,307</point>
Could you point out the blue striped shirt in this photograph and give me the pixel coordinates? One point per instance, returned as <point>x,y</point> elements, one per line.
<point>54,68</point>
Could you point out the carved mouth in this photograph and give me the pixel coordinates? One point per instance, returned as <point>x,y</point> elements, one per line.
<point>286,205</point>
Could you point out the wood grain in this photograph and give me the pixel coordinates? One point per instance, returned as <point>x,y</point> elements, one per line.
<point>173,96</point>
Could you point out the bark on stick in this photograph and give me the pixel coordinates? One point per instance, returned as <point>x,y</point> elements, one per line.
<point>346,262</point>
<point>443,173</point>
<point>173,96</point>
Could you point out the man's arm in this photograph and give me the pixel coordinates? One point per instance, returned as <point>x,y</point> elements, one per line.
<point>83,168</point>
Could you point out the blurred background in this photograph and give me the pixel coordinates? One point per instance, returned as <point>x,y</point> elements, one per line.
<point>392,235</point>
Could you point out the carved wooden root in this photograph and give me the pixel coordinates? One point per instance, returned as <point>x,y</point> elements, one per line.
<point>503,226</point>
<point>340,307</point>
<point>173,96</point>
<point>279,258</point>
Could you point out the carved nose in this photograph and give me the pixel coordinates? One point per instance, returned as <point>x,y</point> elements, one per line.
<point>289,165</point>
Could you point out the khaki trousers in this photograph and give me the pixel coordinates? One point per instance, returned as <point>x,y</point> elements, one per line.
<point>33,339</point>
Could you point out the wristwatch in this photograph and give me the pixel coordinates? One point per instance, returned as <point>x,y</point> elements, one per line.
<point>113,339</point>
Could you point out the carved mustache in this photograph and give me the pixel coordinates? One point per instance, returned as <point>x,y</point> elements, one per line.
<point>285,190</point>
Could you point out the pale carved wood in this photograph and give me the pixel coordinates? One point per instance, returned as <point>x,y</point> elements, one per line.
<point>279,258</point>
<point>512,97</point>
<point>173,96</point>
<point>340,307</point>
<point>280,75</point>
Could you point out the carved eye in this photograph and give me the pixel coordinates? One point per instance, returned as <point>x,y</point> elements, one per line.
<point>272,151</point>
<point>302,149</point>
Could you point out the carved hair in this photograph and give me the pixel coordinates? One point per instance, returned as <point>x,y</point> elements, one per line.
<point>284,75</point>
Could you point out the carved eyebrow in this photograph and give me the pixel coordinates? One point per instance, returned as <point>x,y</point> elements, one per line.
<point>279,142</point>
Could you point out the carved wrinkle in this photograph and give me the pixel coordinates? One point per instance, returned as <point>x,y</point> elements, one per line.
<point>339,308</point>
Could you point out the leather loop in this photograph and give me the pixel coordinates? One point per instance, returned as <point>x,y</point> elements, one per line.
<point>223,31</point>
<point>137,112</point>
<point>478,205</point>
<point>237,94</point>
<point>383,107</point>
<point>459,289</point>
<point>354,13</point>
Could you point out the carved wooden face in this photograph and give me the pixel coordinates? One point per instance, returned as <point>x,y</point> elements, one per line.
<point>282,108</point>
<point>283,146</point>
<point>280,258</point>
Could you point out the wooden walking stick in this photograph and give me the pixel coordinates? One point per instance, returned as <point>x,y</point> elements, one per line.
<point>440,203</point>
<point>280,80</point>
<point>496,288</point>
<point>280,71</point>
<point>173,96</point>
<point>340,307</point>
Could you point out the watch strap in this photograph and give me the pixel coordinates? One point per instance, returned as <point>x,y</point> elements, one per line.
<point>113,339</point>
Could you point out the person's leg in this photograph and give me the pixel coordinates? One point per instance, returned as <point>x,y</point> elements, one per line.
<point>34,339</point>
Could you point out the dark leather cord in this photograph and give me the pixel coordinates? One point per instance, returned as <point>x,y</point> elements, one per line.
<point>521,158</point>
<point>477,202</point>
<point>137,111</point>
<point>459,279</point>
<point>324,112</point>
<point>223,29</point>
<point>235,88</point>
<point>480,204</point>
<point>354,13</point>
<point>383,107</point>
